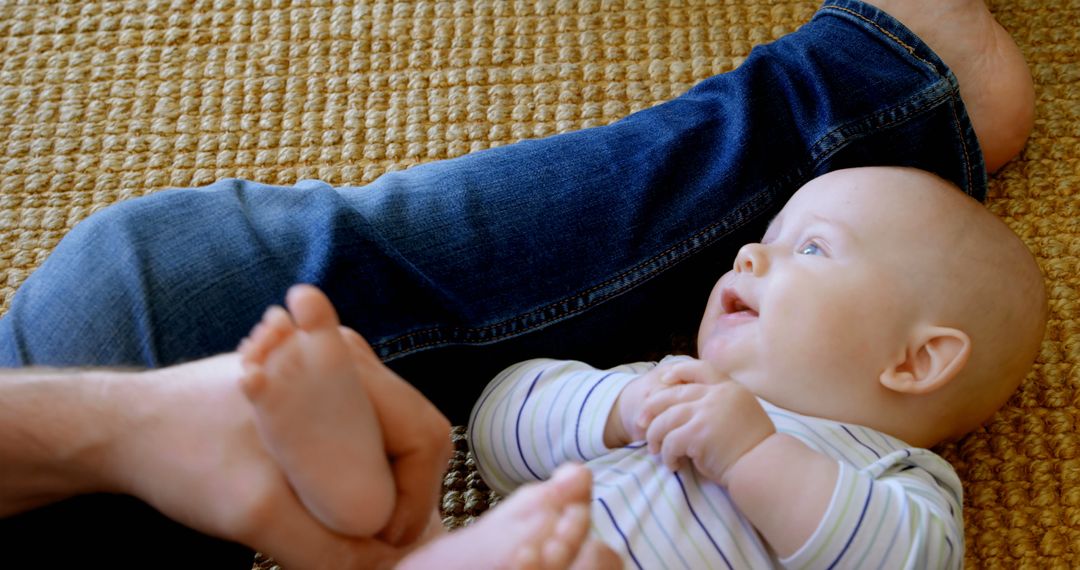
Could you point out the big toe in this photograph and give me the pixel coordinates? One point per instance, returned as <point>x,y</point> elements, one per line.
<point>311,308</point>
<point>358,346</point>
<point>572,483</point>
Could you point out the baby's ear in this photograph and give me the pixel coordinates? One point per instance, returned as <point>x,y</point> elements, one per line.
<point>933,358</point>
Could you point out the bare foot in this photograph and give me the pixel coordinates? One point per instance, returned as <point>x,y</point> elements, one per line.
<point>995,83</point>
<point>544,526</point>
<point>314,415</point>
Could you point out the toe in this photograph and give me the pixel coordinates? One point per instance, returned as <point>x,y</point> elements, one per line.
<point>555,555</point>
<point>275,327</point>
<point>311,308</point>
<point>596,555</point>
<point>573,483</point>
<point>358,346</point>
<point>252,382</point>
<point>277,322</point>
<point>571,530</point>
<point>526,558</point>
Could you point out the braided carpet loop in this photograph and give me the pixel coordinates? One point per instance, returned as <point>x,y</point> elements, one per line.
<point>103,100</point>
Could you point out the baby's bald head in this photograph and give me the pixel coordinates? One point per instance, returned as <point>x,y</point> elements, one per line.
<point>971,272</point>
<point>883,297</point>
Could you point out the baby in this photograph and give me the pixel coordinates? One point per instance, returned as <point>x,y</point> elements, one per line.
<point>882,313</point>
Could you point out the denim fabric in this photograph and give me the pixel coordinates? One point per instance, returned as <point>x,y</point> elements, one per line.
<point>597,244</point>
<point>616,232</point>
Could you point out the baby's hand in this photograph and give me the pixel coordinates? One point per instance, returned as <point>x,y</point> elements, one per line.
<point>703,416</point>
<point>630,404</point>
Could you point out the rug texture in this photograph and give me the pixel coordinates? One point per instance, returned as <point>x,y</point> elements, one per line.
<point>105,100</point>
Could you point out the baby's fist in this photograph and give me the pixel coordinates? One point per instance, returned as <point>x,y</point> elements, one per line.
<point>711,424</point>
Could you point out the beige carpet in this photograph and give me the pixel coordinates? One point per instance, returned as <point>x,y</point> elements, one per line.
<point>105,100</point>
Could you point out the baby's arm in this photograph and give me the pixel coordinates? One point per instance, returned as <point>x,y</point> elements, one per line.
<point>813,510</point>
<point>541,413</point>
<point>779,483</point>
<point>622,427</point>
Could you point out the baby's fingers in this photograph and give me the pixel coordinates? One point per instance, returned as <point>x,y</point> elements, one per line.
<point>661,400</point>
<point>692,372</point>
<point>668,420</point>
<point>677,445</point>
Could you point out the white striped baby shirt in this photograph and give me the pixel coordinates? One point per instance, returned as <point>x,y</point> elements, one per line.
<point>893,506</point>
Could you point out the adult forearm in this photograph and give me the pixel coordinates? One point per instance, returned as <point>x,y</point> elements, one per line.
<point>57,430</point>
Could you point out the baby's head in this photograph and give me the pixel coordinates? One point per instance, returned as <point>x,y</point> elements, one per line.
<point>883,297</point>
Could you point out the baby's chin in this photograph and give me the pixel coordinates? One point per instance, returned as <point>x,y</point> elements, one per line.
<point>788,390</point>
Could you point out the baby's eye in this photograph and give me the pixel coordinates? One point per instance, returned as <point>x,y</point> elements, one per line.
<point>811,248</point>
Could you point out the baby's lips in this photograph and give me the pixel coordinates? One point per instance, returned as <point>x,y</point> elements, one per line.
<point>733,303</point>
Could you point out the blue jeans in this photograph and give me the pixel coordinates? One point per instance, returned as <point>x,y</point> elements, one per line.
<point>597,244</point>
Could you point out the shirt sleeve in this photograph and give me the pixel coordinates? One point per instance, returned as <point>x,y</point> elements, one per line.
<point>541,413</point>
<point>903,511</point>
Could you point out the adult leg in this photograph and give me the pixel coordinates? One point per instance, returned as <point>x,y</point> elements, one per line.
<point>582,245</point>
<point>507,242</point>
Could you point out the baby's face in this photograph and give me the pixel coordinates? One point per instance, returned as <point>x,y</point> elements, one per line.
<point>808,318</point>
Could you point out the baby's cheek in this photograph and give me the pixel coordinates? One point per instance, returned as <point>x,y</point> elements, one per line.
<point>804,342</point>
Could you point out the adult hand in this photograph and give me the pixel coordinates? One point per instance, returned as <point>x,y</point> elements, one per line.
<point>187,444</point>
<point>704,417</point>
<point>417,440</point>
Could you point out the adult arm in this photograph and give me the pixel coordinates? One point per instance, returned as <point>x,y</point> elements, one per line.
<point>183,439</point>
<point>55,431</point>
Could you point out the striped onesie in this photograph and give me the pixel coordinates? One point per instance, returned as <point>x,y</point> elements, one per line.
<point>893,506</point>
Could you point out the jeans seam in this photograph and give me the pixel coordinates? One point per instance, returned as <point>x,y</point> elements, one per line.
<point>887,33</point>
<point>678,252</point>
<point>928,104</point>
<point>968,170</point>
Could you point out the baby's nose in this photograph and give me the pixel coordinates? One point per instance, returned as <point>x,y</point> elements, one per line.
<point>751,259</point>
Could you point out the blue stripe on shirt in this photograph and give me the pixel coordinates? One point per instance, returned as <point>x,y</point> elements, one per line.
<point>652,513</point>
<point>854,532</point>
<point>581,410</point>
<point>860,442</point>
<point>621,533</point>
<point>701,524</point>
<point>517,425</point>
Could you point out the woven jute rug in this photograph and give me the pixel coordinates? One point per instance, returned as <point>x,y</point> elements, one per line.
<point>101,101</point>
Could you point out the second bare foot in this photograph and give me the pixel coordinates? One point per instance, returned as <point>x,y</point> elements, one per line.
<point>544,526</point>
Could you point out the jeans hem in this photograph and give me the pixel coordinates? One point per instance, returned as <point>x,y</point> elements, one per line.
<point>947,91</point>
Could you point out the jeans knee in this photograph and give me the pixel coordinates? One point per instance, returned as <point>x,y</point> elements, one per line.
<point>95,299</point>
<point>117,225</point>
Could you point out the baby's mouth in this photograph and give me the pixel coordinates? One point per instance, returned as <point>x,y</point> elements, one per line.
<point>734,306</point>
